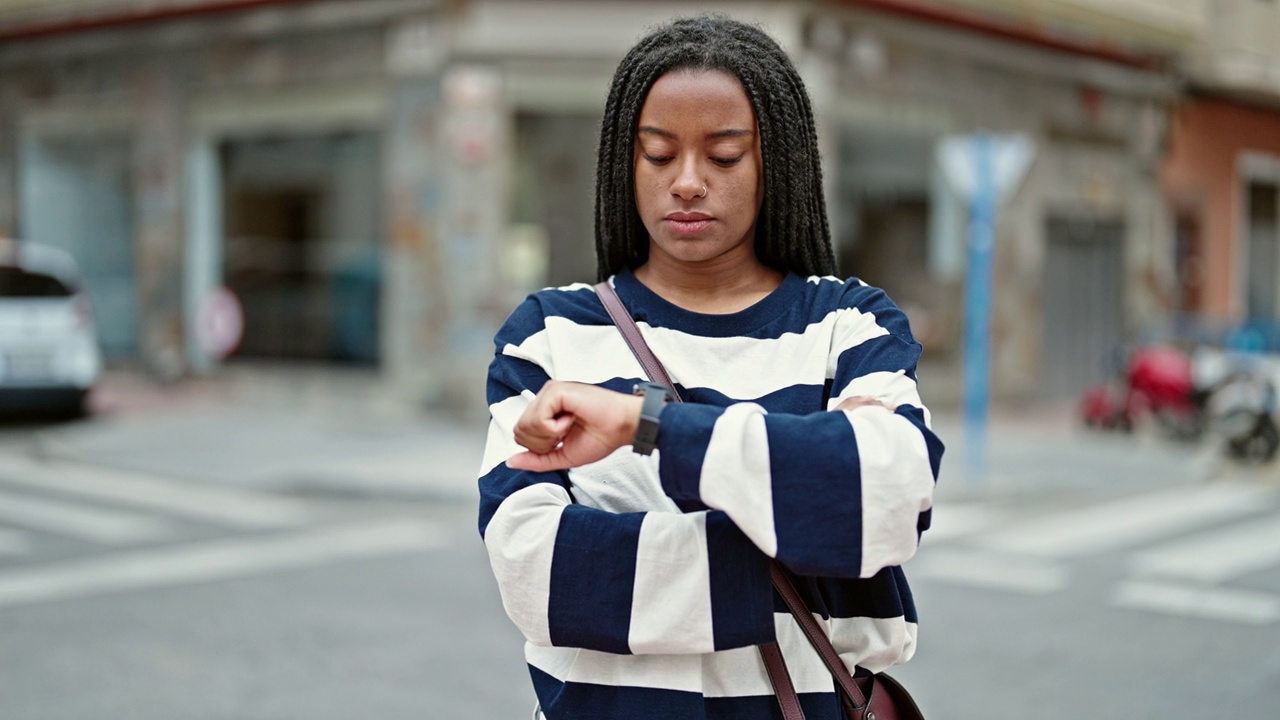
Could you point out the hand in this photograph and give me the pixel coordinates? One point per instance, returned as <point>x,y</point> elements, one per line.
<point>857,401</point>
<point>571,424</point>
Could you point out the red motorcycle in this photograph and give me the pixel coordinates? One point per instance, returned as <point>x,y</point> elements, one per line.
<point>1157,382</point>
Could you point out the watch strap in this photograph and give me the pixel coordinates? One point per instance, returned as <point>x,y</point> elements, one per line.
<point>655,399</point>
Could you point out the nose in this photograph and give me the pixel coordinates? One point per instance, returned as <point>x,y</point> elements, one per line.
<point>687,184</point>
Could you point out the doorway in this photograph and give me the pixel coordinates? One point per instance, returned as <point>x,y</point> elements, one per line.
<point>302,226</point>
<point>1083,302</point>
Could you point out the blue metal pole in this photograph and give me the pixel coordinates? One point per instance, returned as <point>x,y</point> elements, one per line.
<point>977,326</point>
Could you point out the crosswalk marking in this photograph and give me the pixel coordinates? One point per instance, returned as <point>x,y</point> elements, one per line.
<point>1212,603</point>
<point>233,506</point>
<point>220,560</point>
<point>14,542</point>
<point>1217,556</point>
<point>954,521</point>
<point>989,570</point>
<point>1129,521</point>
<point>98,525</point>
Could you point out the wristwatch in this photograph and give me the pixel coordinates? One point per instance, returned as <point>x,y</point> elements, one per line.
<point>656,398</point>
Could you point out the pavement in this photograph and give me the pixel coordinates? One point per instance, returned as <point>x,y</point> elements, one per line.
<point>344,431</point>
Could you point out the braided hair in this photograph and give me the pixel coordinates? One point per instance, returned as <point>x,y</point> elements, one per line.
<point>791,231</point>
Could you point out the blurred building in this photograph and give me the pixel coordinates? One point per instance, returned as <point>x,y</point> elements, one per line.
<point>1222,174</point>
<point>380,181</point>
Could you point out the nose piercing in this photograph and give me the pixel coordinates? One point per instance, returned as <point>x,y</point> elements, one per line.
<point>704,191</point>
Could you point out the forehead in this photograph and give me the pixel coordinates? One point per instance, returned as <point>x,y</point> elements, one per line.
<point>710,99</point>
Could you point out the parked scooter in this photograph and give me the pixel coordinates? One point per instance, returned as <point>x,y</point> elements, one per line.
<point>1242,410</point>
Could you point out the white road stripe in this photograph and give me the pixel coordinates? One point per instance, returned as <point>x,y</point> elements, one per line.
<point>103,526</point>
<point>213,561</point>
<point>14,542</point>
<point>954,521</point>
<point>989,570</point>
<point>1243,606</point>
<point>233,506</point>
<point>1129,521</point>
<point>1217,556</point>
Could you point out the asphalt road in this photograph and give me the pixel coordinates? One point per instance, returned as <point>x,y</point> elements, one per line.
<point>1106,577</point>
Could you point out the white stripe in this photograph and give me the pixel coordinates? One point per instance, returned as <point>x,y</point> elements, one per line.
<point>1242,606</point>
<point>891,388</point>
<point>731,365</point>
<point>1222,555</point>
<point>234,506</point>
<point>739,672</point>
<point>670,672</point>
<point>988,570</point>
<point>671,603</point>
<point>521,543</point>
<point>501,443</point>
<point>103,526</point>
<point>735,474</point>
<point>852,327</point>
<point>212,561</point>
<point>14,542</point>
<point>876,644</point>
<point>1127,522</point>
<point>897,485</point>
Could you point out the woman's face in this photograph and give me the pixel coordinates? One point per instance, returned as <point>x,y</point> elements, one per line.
<point>698,168</point>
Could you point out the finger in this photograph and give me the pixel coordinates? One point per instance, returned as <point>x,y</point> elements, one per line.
<point>538,462</point>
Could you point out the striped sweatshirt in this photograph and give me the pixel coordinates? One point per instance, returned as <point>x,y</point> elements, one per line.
<point>641,583</point>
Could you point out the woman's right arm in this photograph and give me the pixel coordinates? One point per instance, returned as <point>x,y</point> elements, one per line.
<point>575,576</point>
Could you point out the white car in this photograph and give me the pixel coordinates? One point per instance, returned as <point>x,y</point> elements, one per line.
<point>49,352</point>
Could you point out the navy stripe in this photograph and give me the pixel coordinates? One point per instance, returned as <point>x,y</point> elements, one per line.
<point>880,596</point>
<point>508,376</point>
<point>584,701</point>
<point>818,521</point>
<point>683,436</point>
<point>880,354</point>
<point>875,302</point>
<point>593,576</point>
<point>795,399</point>
<point>526,320</point>
<point>741,592</point>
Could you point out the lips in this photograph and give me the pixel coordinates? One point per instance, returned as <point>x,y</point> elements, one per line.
<point>688,223</point>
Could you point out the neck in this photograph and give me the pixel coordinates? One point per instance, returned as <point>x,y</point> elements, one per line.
<point>717,287</point>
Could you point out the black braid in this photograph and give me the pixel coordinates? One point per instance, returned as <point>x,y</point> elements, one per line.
<point>791,232</point>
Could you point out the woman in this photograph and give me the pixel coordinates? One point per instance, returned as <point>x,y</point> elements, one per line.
<point>641,582</point>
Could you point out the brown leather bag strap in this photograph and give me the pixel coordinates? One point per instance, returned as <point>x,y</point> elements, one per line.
<point>783,689</point>
<point>622,319</point>
<point>817,638</point>
<point>772,655</point>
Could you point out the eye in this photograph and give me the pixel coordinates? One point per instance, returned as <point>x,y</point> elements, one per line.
<point>656,159</point>
<point>726,161</point>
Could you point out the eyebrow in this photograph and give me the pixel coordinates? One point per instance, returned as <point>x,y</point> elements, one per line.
<point>730,133</point>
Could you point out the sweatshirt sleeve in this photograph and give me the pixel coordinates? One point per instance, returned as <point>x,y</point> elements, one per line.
<point>842,494</point>
<point>576,576</point>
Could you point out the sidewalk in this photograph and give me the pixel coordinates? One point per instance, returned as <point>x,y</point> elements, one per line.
<point>285,428</point>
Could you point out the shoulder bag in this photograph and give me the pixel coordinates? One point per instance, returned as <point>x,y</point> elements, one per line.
<point>874,697</point>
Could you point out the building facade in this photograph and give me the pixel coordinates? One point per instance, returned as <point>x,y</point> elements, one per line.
<point>381,181</point>
<point>1222,175</point>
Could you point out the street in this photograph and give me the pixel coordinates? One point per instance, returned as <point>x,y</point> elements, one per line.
<point>290,548</point>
